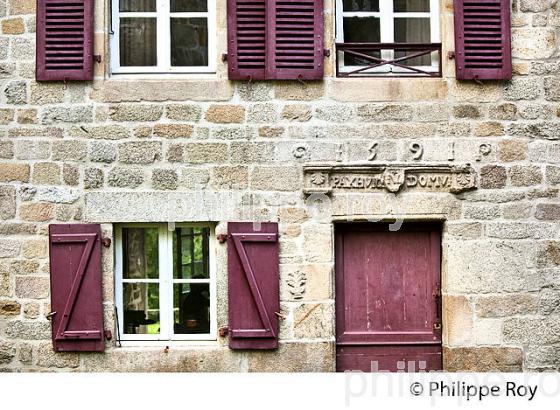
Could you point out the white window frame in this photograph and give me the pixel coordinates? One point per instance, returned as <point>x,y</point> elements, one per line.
<point>166,281</point>
<point>163,16</point>
<point>387,17</point>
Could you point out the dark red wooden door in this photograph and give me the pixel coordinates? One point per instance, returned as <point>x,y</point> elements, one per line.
<point>388,311</point>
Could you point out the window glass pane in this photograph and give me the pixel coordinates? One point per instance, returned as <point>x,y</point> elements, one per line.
<point>191,308</point>
<point>138,38</point>
<point>412,30</point>
<point>361,5</point>
<point>361,30</point>
<point>411,5</point>
<point>190,253</point>
<point>140,253</point>
<point>141,308</point>
<point>137,5</point>
<point>189,42</point>
<point>188,5</point>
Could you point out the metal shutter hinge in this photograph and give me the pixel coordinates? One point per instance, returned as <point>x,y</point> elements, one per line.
<point>108,335</point>
<point>224,57</point>
<point>106,242</point>
<point>326,52</point>
<point>97,58</point>
<point>280,315</point>
<point>222,238</point>
<point>50,315</point>
<point>451,55</point>
<point>223,331</point>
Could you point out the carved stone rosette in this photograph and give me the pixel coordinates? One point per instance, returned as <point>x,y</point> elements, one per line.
<point>327,178</point>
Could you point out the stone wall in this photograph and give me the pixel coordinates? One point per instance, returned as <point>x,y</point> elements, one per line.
<point>123,149</point>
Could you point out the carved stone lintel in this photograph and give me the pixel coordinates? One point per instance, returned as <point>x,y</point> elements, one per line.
<point>329,178</point>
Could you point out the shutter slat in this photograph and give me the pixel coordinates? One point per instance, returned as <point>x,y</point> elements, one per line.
<point>253,285</point>
<point>76,287</point>
<point>483,39</point>
<point>64,23</point>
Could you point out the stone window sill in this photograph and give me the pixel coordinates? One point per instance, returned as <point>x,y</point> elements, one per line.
<point>387,89</point>
<point>129,88</point>
<point>119,89</point>
<point>162,344</point>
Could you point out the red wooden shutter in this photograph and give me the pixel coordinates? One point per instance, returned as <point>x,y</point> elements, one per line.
<point>483,39</point>
<point>295,40</point>
<point>64,40</point>
<point>253,285</point>
<point>275,39</point>
<point>76,294</point>
<point>246,39</point>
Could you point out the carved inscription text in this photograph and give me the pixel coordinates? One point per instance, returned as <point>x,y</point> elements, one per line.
<point>393,178</point>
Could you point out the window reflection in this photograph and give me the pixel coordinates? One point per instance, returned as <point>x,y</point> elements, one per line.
<point>191,300</point>
<point>140,270</point>
<point>413,30</point>
<point>137,5</point>
<point>189,42</point>
<point>360,5</point>
<point>188,5</point>
<point>191,308</point>
<point>403,6</point>
<point>140,253</point>
<point>141,308</point>
<point>138,42</point>
<point>361,30</point>
<point>190,253</point>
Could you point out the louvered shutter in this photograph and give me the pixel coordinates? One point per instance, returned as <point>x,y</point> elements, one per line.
<point>64,40</point>
<point>275,39</point>
<point>483,39</point>
<point>246,39</point>
<point>76,287</point>
<point>295,40</point>
<point>253,285</point>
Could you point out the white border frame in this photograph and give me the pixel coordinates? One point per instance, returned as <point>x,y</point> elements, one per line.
<point>386,17</point>
<point>166,280</point>
<point>163,16</point>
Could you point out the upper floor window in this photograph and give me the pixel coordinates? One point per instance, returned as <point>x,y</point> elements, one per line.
<point>165,282</point>
<point>163,36</point>
<point>387,36</point>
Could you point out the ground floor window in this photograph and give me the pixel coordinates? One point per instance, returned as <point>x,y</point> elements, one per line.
<point>165,282</point>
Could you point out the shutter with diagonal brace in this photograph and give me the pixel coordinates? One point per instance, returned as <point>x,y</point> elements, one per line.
<point>275,39</point>
<point>76,287</point>
<point>253,285</point>
<point>64,40</point>
<point>483,39</point>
